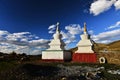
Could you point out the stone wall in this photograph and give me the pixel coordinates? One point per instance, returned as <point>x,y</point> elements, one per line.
<point>113,58</point>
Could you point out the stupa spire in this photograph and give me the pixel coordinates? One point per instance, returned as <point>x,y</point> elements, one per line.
<point>57,33</point>
<point>85,28</point>
<point>57,25</point>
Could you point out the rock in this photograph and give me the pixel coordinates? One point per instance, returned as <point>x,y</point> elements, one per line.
<point>86,73</point>
<point>114,72</point>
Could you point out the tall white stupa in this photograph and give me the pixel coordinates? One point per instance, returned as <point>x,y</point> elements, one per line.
<point>85,53</point>
<point>56,52</point>
<point>57,43</point>
<point>85,44</point>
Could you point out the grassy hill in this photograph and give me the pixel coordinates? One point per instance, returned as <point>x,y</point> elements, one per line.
<point>114,46</point>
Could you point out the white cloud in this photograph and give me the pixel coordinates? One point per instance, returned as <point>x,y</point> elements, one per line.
<point>105,41</point>
<point>18,36</point>
<point>72,31</point>
<point>51,28</point>
<point>117,24</point>
<point>2,32</point>
<point>22,42</point>
<point>106,37</point>
<point>35,52</point>
<point>7,47</point>
<point>28,50</point>
<point>64,35</point>
<point>100,6</point>
<point>41,43</point>
<point>117,4</point>
<point>51,31</point>
<point>67,37</point>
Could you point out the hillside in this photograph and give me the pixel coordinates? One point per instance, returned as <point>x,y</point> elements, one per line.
<point>114,46</point>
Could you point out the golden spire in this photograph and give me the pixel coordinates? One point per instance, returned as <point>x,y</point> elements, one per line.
<point>57,29</point>
<point>85,29</point>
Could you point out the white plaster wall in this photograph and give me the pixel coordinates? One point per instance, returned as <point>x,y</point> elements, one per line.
<point>84,46</point>
<point>54,48</point>
<point>52,55</point>
<point>84,43</point>
<point>86,49</point>
<point>84,36</point>
<point>56,45</point>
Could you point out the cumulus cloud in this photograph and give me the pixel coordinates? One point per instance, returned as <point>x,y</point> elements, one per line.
<point>2,32</point>
<point>22,42</point>
<point>72,31</point>
<point>41,43</point>
<point>117,4</point>
<point>8,48</point>
<point>36,52</point>
<point>117,24</point>
<point>18,36</point>
<point>106,37</point>
<point>68,37</point>
<point>100,6</point>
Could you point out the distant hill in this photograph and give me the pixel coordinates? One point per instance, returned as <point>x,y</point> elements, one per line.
<point>114,46</point>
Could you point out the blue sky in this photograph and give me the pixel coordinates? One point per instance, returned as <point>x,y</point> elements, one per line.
<point>28,25</point>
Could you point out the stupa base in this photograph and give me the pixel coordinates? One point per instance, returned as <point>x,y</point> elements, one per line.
<point>56,55</point>
<point>84,57</point>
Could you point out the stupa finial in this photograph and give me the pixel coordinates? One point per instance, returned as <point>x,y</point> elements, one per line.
<point>85,29</point>
<point>57,25</point>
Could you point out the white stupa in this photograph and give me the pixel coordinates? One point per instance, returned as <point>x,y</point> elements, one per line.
<point>56,50</point>
<point>85,44</point>
<point>57,43</point>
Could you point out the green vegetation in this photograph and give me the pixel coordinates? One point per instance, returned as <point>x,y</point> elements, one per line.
<point>6,65</point>
<point>38,70</point>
